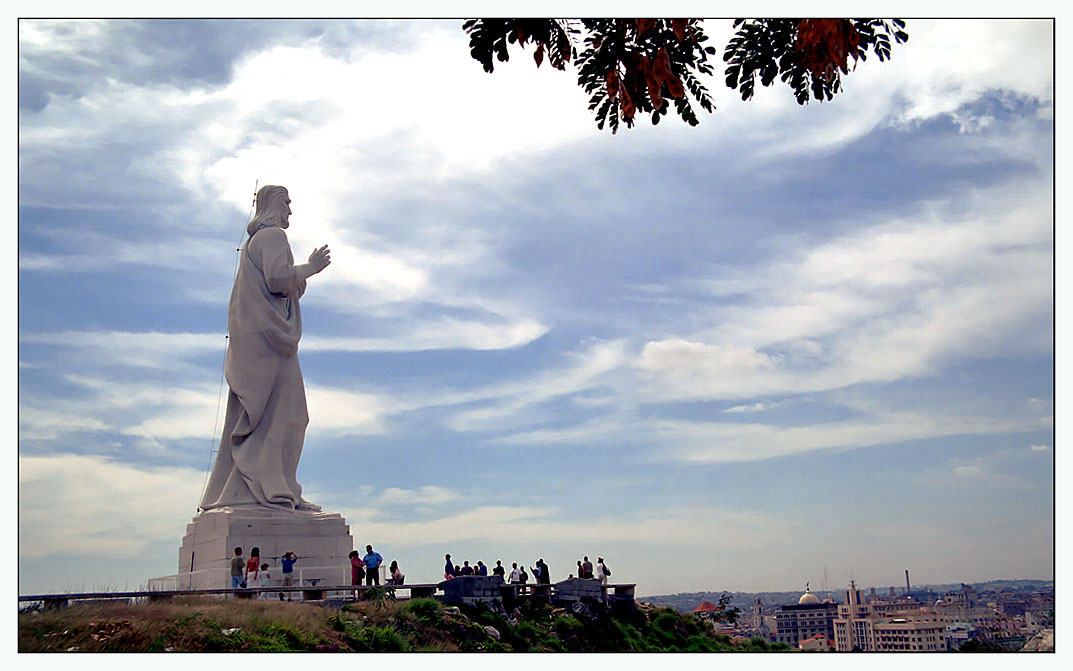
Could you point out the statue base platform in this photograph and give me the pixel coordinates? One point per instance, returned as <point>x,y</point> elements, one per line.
<point>321,540</point>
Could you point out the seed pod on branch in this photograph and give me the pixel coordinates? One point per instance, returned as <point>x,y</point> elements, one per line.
<point>628,108</point>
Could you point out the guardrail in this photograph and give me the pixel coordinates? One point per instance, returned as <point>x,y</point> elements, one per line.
<point>308,592</point>
<point>222,577</point>
<point>554,591</point>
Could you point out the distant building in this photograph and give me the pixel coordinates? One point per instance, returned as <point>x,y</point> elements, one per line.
<point>967,596</point>
<point>1034,624</point>
<point>771,625</point>
<point>707,610</point>
<point>808,618</point>
<point>957,635</point>
<point>818,643</point>
<point>899,625</point>
<point>962,609</point>
<point>760,624</point>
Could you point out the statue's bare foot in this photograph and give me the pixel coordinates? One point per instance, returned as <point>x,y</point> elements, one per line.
<point>306,505</point>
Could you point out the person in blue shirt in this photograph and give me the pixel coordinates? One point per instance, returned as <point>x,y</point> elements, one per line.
<point>287,562</point>
<point>541,573</point>
<point>372,562</point>
<point>481,568</point>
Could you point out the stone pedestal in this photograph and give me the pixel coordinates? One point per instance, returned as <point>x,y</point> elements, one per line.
<point>576,589</point>
<point>322,542</point>
<point>472,590</point>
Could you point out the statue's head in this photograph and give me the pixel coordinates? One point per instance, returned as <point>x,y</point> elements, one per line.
<point>273,209</point>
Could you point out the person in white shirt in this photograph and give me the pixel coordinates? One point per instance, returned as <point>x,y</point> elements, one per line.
<point>602,572</point>
<point>515,574</point>
<point>263,577</point>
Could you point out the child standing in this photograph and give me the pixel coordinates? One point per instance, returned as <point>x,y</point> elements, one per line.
<point>263,577</point>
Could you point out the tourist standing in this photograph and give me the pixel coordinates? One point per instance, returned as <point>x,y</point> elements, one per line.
<point>541,573</point>
<point>263,577</point>
<point>238,566</point>
<point>449,568</point>
<point>515,574</point>
<point>372,565</point>
<point>253,567</point>
<point>287,561</point>
<point>499,570</point>
<point>357,568</point>
<point>602,572</point>
<point>586,569</point>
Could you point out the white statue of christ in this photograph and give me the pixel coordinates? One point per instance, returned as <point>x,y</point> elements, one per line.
<point>266,419</point>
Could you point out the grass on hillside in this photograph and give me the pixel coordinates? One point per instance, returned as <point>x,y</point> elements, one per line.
<point>416,625</point>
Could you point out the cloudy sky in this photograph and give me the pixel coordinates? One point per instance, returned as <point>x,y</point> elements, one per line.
<point>789,340</point>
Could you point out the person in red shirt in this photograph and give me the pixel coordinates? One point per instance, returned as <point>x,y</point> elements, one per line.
<point>253,568</point>
<point>357,568</point>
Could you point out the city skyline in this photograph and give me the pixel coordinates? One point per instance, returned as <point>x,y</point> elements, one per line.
<point>727,357</point>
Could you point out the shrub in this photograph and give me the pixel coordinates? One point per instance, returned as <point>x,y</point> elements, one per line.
<point>380,596</point>
<point>424,609</point>
<point>376,639</point>
<point>567,626</point>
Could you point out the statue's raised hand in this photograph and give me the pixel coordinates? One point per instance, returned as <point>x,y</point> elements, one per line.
<point>320,259</point>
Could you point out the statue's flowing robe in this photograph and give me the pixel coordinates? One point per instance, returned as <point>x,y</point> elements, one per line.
<point>266,419</point>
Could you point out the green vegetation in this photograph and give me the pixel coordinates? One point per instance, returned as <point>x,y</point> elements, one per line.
<point>381,625</point>
<point>983,646</point>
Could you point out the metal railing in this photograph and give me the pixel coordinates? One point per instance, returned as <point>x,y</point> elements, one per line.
<point>186,579</point>
<point>311,592</point>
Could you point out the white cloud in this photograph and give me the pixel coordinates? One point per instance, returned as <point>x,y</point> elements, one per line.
<point>517,525</point>
<point>428,495</point>
<point>941,69</point>
<point>147,410</point>
<point>433,334</point>
<point>73,504</point>
<point>504,404</point>
<point>969,471</point>
<point>684,368</point>
<point>390,115</point>
<point>943,66</point>
<point>155,413</point>
<point>761,406</point>
<point>721,442</point>
<point>146,348</point>
<point>886,302</point>
<point>340,150</point>
<point>595,432</point>
<point>161,351</point>
<point>40,424</point>
<point>391,278</point>
<point>342,412</point>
